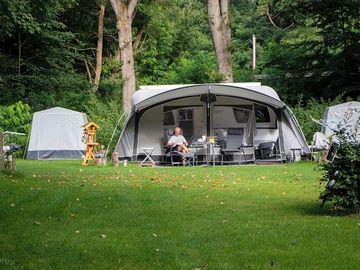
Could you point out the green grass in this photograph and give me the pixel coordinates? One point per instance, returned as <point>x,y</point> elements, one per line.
<point>60,215</point>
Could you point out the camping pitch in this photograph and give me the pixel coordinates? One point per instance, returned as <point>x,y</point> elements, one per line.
<point>56,134</point>
<point>250,114</point>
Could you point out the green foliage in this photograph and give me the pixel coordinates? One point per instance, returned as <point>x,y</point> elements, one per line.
<point>16,118</point>
<point>193,69</point>
<point>343,178</point>
<point>106,112</point>
<point>45,74</point>
<point>319,54</point>
<point>47,48</point>
<point>43,92</point>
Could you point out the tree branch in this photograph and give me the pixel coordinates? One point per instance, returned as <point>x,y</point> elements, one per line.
<point>114,5</point>
<point>131,7</point>
<point>286,28</point>
<point>88,71</point>
<point>270,19</point>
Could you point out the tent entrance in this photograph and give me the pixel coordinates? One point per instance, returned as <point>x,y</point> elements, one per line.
<point>191,120</point>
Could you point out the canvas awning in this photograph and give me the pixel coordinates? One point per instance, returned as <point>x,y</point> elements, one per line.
<point>150,95</point>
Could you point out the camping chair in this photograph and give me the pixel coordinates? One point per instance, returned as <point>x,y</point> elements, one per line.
<point>266,149</point>
<point>178,158</point>
<point>235,147</point>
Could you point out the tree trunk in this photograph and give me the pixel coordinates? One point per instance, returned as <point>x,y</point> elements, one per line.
<point>99,47</point>
<point>124,15</point>
<point>218,13</point>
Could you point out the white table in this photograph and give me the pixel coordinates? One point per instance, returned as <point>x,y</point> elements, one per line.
<point>148,152</point>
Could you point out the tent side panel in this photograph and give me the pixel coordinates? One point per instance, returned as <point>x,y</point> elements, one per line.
<point>125,144</point>
<point>55,154</point>
<point>151,131</point>
<point>292,134</point>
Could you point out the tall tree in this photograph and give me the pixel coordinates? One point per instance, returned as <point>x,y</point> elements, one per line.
<point>219,21</point>
<point>125,11</point>
<point>99,47</point>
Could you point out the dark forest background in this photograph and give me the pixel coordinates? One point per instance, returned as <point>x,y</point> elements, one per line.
<point>307,50</point>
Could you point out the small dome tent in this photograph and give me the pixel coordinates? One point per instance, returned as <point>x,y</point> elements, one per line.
<point>56,134</point>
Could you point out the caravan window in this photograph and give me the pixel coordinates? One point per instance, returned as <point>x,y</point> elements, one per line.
<point>262,114</point>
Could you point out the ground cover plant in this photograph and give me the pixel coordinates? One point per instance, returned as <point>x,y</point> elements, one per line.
<point>60,215</point>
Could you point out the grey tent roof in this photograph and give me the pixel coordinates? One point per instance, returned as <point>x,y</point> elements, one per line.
<point>149,95</point>
<point>345,115</point>
<point>56,134</point>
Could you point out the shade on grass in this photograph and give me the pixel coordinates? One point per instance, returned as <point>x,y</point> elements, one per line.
<point>58,214</point>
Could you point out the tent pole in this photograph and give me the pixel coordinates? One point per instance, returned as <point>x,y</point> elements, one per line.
<point>27,145</point>
<point>112,136</point>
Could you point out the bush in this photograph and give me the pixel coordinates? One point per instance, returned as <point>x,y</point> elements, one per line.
<point>105,112</point>
<point>16,118</point>
<point>343,179</point>
<point>343,173</point>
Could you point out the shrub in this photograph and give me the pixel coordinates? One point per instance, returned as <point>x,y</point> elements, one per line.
<point>343,179</point>
<point>105,112</point>
<point>343,173</point>
<point>16,118</point>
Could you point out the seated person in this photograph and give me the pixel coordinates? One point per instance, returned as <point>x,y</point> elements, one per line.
<point>178,142</point>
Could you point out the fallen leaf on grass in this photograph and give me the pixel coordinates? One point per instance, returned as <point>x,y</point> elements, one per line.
<point>154,234</point>
<point>102,235</point>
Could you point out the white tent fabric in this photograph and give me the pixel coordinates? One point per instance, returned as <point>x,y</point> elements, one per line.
<point>56,134</point>
<point>145,125</point>
<point>320,141</point>
<point>343,116</point>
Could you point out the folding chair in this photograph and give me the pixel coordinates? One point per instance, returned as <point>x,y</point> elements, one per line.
<point>235,147</point>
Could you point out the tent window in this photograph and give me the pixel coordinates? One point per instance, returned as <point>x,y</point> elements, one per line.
<point>261,114</point>
<point>241,115</point>
<point>185,114</point>
<point>169,118</point>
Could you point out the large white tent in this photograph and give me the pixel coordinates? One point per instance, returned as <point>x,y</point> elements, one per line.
<point>211,110</point>
<point>56,134</point>
<point>343,116</point>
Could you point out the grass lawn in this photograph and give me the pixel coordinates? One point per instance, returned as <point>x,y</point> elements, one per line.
<point>60,215</point>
